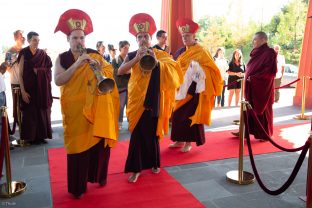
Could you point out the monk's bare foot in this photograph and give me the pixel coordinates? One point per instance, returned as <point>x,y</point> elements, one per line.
<point>155,170</point>
<point>177,145</point>
<point>134,177</point>
<point>187,147</point>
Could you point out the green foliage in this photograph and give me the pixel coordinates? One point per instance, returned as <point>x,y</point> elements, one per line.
<point>286,29</point>
<point>214,33</point>
<point>290,30</point>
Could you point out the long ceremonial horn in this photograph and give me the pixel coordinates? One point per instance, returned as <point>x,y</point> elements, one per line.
<point>104,84</point>
<point>147,62</point>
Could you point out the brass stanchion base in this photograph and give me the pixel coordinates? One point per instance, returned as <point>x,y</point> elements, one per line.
<point>236,122</point>
<point>20,143</point>
<point>232,176</point>
<point>18,187</point>
<point>302,117</point>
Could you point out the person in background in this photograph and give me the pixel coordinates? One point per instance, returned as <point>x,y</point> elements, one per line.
<point>195,98</point>
<point>90,119</point>
<point>151,98</point>
<point>112,52</point>
<point>121,80</point>
<point>100,47</point>
<point>35,76</point>
<point>223,66</point>
<point>236,71</point>
<point>12,67</point>
<point>162,37</point>
<point>280,72</point>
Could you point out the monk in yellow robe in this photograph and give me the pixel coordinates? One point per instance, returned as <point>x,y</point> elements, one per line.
<point>90,118</point>
<point>195,98</point>
<point>151,98</point>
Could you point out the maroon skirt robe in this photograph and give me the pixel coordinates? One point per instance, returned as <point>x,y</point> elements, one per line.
<point>181,130</point>
<point>90,165</point>
<point>259,88</point>
<point>37,77</point>
<point>144,151</point>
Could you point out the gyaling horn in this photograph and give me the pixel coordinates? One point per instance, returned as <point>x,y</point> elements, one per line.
<point>104,84</point>
<point>147,62</point>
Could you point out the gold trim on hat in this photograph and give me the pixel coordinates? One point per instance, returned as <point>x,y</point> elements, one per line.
<point>75,24</point>
<point>142,27</point>
<point>184,29</point>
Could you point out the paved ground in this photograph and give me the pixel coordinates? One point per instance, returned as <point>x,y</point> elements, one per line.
<point>206,181</point>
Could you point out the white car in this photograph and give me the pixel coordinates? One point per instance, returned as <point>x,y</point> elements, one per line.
<point>290,75</point>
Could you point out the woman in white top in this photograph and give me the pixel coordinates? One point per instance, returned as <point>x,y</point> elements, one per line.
<point>223,66</point>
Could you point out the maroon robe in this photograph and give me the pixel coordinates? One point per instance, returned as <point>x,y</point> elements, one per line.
<point>36,115</point>
<point>90,165</point>
<point>144,151</point>
<point>181,130</point>
<point>259,88</point>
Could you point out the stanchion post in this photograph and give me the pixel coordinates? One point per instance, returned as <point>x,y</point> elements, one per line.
<point>240,176</point>
<point>303,97</point>
<point>237,122</point>
<point>10,188</point>
<point>241,143</point>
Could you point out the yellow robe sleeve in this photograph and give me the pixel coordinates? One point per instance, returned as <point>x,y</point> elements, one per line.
<point>170,78</point>
<point>100,110</point>
<point>213,82</point>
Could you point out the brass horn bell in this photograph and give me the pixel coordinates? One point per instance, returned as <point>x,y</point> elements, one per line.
<point>147,63</point>
<point>104,84</point>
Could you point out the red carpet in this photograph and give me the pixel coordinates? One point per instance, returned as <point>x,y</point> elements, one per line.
<point>219,145</point>
<point>160,190</point>
<point>152,191</point>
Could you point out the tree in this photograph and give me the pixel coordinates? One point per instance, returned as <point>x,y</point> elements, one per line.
<point>290,29</point>
<point>214,33</point>
<point>286,29</point>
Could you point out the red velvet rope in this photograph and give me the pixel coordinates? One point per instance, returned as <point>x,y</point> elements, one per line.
<point>230,84</point>
<point>286,85</point>
<point>257,122</point>
<point>254,168</point>
<point>4,141</point>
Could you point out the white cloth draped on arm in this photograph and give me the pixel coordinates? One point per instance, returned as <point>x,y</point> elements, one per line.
<point>193,73</point>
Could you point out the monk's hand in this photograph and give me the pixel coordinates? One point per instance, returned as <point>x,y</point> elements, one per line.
<point>95,64</point>
<point>84,58</point>
<point>25,96</point>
